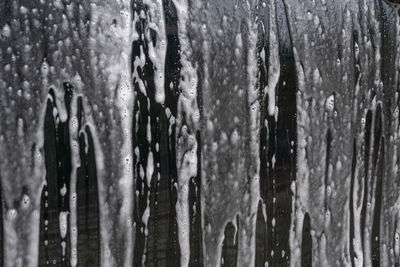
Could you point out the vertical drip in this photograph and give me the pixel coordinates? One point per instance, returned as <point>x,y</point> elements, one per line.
<point>352,204</point>
<point>368,184</point>
<point>93,195</point>
<point>82,190</point>
<point>168,164</point>
<point>327,171</point>
<point>196,258</point>
<point>55,194</point>
<point>109,115</point>
<point>262,228</point>
<point>63,155</point>
<point>358,191</point>
<point>186,125</point>
<point>152,51</point>
<point>280,124</point>
<point>149,79</point>
<point>306,245</point>
<point>149,52</point>
<point>143,161</point>
<point>153,226</point>
<point>88,243</point>
<point>286,137</point>
<point>377,222</point>
<point>261,241</point>
<point>230,245</point>
<point>168,161</point>
<point>74,128</point>
<point>49,241</point>
<point>376,185</point>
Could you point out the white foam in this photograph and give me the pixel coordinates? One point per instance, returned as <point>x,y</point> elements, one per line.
<point>158,48</point>
<point>186,143</point>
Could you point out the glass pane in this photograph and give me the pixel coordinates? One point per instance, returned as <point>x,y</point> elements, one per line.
<point>199,133</point>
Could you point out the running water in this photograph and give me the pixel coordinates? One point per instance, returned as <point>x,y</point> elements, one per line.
<point>255,133</point>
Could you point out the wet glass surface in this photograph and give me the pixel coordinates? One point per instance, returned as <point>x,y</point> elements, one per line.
<point>199,133</point>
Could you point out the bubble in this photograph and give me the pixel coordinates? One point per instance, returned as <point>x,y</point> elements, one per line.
<point>330,103</point>
<point>6,32</point>
<point>26,201</point>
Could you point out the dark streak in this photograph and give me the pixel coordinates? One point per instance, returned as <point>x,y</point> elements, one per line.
<point>351,202</point>
<point>306,245</point>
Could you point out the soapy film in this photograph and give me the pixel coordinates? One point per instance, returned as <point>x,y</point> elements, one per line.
<point>105,70</point>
